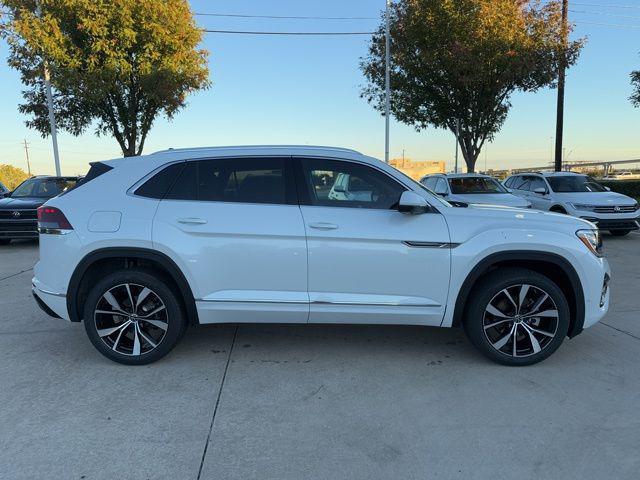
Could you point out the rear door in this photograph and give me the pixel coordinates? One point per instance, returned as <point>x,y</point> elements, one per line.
<point>367,262</point>
<point>234,225</point>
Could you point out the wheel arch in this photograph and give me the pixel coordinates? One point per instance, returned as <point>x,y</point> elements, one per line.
<point>554,266</point>
<point>105,260</point>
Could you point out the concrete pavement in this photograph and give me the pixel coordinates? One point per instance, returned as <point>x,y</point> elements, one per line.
<point>317,402</point>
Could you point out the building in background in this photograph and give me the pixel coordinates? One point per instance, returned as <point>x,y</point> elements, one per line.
<point>417,170</point>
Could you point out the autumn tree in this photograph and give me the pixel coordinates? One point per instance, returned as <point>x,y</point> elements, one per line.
<point>115,65</point>
<point>11,176</point>
<point>461,60</point>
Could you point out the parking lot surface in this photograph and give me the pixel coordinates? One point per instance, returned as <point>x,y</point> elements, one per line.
<point>317,402</point>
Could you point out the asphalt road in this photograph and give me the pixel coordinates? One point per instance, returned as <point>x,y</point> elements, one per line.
<point>317,402</point>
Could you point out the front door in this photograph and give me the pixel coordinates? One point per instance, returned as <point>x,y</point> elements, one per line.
<point>367,262</point>
<point>235,227</point>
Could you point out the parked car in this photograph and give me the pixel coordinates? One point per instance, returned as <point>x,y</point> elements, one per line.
<point>18,210</point>
<point>252,234</point>
<point>578,195</point>
<point>4,191</point>
<point>472,188</point>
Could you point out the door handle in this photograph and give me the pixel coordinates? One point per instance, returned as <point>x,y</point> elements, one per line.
<point>323,226</point>
<point>192,221</point>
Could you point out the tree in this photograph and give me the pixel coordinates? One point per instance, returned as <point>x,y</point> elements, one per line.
<point>12,176</point>
<point>115,65</point>
<point>635,81</point>
<point>462,60</point>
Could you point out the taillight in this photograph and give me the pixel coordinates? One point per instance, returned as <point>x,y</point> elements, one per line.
<point>52,220</point>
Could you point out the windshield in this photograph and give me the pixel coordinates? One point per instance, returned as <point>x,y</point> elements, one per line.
<point>43,187</point>
<point>575,183</point>
<point>469,185</point>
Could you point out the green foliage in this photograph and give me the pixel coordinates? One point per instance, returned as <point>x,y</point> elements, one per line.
<point>11,176</point>
<point>115,64</point>
<point>463,59</point>
<point>635,81</point>
<point>630,188</point>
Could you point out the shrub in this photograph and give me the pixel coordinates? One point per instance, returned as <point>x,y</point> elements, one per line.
<point>626,187</point>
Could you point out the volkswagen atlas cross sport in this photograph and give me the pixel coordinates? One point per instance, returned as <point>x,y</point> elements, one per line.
<point>146,246</point>
<point>578,195</point>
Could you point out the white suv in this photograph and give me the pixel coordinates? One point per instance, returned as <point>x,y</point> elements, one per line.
<point>578,195</point>
<point>145,246</point>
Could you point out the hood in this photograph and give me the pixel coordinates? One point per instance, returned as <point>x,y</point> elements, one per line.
<point>596,198</point>
<point>22,203</point>
<point>503,199</point>
<point>464,222</point>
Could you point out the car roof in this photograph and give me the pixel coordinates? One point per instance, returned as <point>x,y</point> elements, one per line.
<point>550,174</point>
<point>258,150</point>
<point>458,175</point>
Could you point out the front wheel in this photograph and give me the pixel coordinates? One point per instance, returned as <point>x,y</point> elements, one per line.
<point>134,317</point>
<point>517,317</point>
<point>619,233</point>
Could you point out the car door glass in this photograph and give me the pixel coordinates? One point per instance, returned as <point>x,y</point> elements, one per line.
<point>524,184</point>
<point>537,182</point>
<point>430,182</point>
<point>441,187</point>
<point>335,183</point>
<point>241,180</point>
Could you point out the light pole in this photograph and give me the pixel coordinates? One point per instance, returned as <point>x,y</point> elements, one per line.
<point>561,84</point>
<point>52,117</point>
<point>387,82</point>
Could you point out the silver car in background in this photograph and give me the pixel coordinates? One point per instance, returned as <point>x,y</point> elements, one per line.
<point>472,188</point>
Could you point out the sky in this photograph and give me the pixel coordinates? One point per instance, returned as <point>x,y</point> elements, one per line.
<point>305,90</point>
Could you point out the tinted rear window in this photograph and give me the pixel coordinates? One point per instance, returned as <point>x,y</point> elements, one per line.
<point>246,180</point>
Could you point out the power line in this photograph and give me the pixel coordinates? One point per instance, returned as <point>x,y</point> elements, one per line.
<point>606,14</point>
<point>612,25</point>
<point>605,6</point>
<point>246,32</point>
<point>280,17</point>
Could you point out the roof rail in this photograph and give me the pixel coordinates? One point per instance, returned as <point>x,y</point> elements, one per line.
<point>246,147</point>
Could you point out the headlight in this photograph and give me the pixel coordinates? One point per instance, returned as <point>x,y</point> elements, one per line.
<point>583,207</point>
<point>592,240</point>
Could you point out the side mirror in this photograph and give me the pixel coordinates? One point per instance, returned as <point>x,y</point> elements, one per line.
<point>339,188</point>
<point>607,189</point>
<point>412,203</point>
<point>540,191</point>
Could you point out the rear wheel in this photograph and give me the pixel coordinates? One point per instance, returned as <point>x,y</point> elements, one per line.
<point>517,317</point>
<point>619,233</point>
<point>133,317</point>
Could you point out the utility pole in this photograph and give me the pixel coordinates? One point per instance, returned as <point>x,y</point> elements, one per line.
<point>387,81</point>
<point>52,117</point>
<point>561,84</point>
<point>26,152</point>
<point>455,170</point>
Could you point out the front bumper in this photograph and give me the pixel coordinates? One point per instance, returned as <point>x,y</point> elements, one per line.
<point>612,221</point>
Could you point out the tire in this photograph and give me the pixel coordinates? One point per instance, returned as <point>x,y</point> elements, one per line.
<point>114,333</point>
<point>560,210</point>
<point>5,241</point>
<point>619,233</point>
<point>496,342</point>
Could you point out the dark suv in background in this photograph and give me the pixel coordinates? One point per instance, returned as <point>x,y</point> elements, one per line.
<point>18,210</point>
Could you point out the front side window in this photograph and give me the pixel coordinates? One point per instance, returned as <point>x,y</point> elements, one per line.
<point>239,180</point>
<point>575,183</point>
<point>43,187</point>
<point>536,183</point>
<point>335,183</point>
<point>474,185</point>
<point>441,187</point>
<point>430,182</point>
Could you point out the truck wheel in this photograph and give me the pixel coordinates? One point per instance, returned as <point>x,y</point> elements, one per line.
<point>134,317</point>
<point>516,316</point>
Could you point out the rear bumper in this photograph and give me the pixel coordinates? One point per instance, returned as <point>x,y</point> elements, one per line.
<point>53,304</point>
